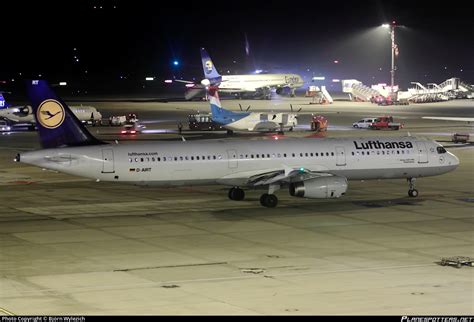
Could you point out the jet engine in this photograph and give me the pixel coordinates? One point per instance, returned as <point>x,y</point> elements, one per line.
<point>279,90</point>
<point>24,111</point>
<point>319,188</point>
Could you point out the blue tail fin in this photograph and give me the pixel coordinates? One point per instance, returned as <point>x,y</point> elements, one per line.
<point>219,114</point>
<point>57,125</point>
<point>3,103</point>
<point>210,71</point>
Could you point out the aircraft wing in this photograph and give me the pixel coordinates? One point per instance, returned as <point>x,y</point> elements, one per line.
<point>458,119</point>
<point>284,176</point>
<point>274,176</point>
<point>183,81</point>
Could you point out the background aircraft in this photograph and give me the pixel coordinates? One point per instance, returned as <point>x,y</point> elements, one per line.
<point>259,84</point>
<point>248,121</point>
<point>24,114</point>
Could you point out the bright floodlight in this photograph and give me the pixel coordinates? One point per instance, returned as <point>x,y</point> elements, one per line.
<point>386,25</point>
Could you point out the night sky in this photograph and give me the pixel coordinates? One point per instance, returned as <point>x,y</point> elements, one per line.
<point>95,41</point>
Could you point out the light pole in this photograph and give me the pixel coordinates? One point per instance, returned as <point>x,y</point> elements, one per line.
<point>394,49</point>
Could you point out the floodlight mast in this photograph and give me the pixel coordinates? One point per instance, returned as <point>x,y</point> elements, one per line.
<point>393,48</point>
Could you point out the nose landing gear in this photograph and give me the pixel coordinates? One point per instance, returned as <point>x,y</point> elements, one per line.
<point>412,192</point>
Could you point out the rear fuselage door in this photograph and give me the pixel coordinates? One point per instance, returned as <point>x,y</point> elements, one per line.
<point>108,161</point>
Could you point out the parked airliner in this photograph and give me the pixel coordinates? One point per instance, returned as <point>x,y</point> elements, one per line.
<point>248,121</point>
<point>310,168</point>
<point>260,84</point>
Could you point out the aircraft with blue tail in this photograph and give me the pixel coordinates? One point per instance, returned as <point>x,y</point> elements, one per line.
<point>248,121</point>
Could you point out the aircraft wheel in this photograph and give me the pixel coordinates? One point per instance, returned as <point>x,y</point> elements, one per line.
<point>236,194</point>
<point>413,193</point>
<point>269,201</point>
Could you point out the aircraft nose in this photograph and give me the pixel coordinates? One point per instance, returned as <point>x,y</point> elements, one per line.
<point>455,160</point>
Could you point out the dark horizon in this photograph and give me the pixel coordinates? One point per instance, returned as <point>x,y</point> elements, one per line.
<point>93,42</point>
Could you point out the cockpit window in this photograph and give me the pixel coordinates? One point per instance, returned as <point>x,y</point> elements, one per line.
<point>441,150</point>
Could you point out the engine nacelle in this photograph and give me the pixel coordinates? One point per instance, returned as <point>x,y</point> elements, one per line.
<point>25,110</point>
<point>319,188</point>
<point>279,90</point>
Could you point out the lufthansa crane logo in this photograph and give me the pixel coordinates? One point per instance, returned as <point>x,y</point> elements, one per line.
<point>50,114</point>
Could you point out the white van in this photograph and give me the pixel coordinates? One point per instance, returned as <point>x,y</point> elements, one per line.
<point>364,123</point>
<point>4,127</point>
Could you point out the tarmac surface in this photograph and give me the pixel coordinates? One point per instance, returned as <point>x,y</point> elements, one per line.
<point>72,246</point>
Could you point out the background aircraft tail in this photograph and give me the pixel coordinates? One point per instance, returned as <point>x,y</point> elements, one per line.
<point>210,71</point>
<point>3,103</point>
<point>219,114</point>
<point>57,125</point>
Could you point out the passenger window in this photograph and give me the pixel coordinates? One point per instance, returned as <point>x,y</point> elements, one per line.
<point>301,154</point>
<point>268,155</point>
<point>141,159</point>
<point>352,152</point>
<point>159,159</point>
<point>441,150</point>
<point>192,158</point>
<point>197,157</point>
<point>181,158</point>
<point>293,155</point>
<point>284,154</point>
<point>332,153</point>
<point>176,158</point>
<point>214,157</point>
<point>327,154</point>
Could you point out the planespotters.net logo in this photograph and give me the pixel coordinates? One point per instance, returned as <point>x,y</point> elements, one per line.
<point>437,319</point>
<point>50,114</point>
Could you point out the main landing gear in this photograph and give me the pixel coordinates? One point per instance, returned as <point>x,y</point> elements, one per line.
<point>269,200</point>
<point>236,194</point>
<point>412,192</point>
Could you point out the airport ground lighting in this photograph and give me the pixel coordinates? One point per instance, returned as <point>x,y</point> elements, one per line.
<point>394,50</point>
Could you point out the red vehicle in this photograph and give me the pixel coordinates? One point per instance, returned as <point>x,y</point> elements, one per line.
<point>319,123</point>
<point>385,122</point>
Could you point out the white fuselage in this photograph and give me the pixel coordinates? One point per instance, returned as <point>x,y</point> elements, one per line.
<point>232,162</point>
<point>252,83</point>
<point>25,115</point>
<point>264,122</point>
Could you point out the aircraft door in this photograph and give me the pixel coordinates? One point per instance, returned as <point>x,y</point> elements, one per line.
<point>422,152</point>
<point>284,119</point>
<point>340,156</point>
<point>232,157</point>
<point>108,165</point>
